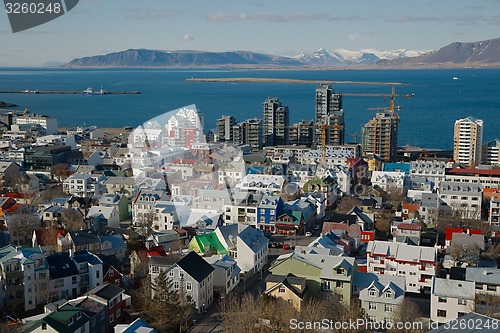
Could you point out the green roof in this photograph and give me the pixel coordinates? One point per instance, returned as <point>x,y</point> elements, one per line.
<point>296,216</point>
<point>212,241</point>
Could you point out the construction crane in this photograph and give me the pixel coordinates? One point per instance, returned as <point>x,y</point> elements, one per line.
<point>392,107</point>
<point>355,136</point>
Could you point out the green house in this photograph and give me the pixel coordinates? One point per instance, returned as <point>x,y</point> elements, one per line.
<point>323,273</point>
<point>207,244</point>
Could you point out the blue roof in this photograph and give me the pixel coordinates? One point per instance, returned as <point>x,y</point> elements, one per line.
<point>402,167</point>
<point>86,256</point>
<point>136,325</point>
<point>253,170</point>
<point>116,241</point>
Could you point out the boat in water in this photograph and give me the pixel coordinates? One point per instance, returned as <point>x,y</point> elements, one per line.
<point>455,78</point>
<point>90,91</point>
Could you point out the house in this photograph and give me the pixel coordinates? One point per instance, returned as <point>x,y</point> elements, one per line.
<point>114,245</point>
<point>269,208</point>
<point>84,185</point>
<point>80,240</point>
<point>193,275</point>
<point>408,233</point>
<point>382,298</point>
<point>8,172</point>
<point>289,288</point>
<point>451,299</point>
<point>388,180</point>
<point>120,185</point>
<point>432,207</point>
<point>138,325</point>
<point>66,318</point>
<point>119,201</point>
<point>449,232</point>
<point>113,297</point>
<point>103,216</point>
<point>252,249</point>
<point>207,244</point>
<point>165,239</point>
<point>349,236</point>
<point>291,222</point>
<point>47,238</point>
<point>364,219</point>
<point>110,270</point>
<point>140,259</point>
<point>486,280</point>
<point>17,267</point>
<point>328,186</point>
<point>494,213</point>
<point>416,263</point>
<point>324,274</point>
<point>226,274</point>
<point>464,199</point>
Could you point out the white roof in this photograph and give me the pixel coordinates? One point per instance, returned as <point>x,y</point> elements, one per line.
<point>453,288</point>
<point>401,251</point>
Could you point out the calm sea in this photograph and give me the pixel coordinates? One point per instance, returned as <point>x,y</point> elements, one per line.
<point>426,120</point>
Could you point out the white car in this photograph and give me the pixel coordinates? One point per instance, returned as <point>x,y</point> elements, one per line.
<point>309,234</point>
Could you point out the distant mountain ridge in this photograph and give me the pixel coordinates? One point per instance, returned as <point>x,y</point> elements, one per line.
<point>477,54</point>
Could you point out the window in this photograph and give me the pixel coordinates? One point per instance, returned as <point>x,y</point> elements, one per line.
<point>171,273</point>
<point>112,272</point>
<point>282,289</point>
<point>462,301</point>
<point>441,299</point>
<point>388,294</point>
<point>373,292</point>
<point>189,286</point>
<point>118,313</point>
<point>111,318</point>
<point>154,270</point>
<point>441,313</point>
<point>372,306</point>
<point>340,271</point>
<point>388,308</point>
<point>181,274</point>
<point>339,284</point>
<point>97,274</point>
<point>491,287</point>
<point>176,285</point>
<point>479,286</point>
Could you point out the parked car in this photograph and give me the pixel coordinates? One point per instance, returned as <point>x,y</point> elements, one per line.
<point>316,227</point>
<point>286,247</point>
<point>309,234</point>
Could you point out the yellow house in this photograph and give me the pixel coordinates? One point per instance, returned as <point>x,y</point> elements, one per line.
<point>290,288</point>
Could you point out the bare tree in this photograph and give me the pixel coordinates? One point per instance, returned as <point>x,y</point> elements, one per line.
<point>49,239</point>
<point>460,254</point>
<point>488,305</point>
<point>494,252</point>
<point>347,203</point>
<point>49,193</point>
<point>407,312</point>
<point>60,171</point>
<point>21,226</point>
<point>72,219</point>
<point>240,314</point>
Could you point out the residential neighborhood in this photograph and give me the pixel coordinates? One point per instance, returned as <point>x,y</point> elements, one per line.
<point>163,228</point>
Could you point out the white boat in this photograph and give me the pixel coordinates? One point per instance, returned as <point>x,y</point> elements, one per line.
<point>455,78</point>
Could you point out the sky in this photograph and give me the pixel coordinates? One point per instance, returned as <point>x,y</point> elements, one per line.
<point>282,27</point>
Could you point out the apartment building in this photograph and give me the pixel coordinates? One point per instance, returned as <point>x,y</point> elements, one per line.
<point>451,299</point>
<point>468,141</point>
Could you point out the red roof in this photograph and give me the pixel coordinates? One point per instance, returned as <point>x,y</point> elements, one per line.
<point>183,161</point>
<point>409,226</point>
<point>451,231</point>
<point>474,172</point>
<point>412,208</point>
<point>157,251</point>
<point>353,230</point>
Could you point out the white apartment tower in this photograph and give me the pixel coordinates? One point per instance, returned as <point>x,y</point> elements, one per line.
<point>468,141</point>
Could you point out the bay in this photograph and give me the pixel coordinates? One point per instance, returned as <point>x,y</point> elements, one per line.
<point>426,119</point>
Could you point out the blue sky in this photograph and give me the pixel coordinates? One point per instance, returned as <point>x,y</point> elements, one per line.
<point>284,27</point>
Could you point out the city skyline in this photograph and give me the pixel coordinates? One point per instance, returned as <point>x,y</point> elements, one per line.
<point>278,27</point>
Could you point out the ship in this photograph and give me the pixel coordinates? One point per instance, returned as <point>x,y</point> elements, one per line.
<point>90,91</point>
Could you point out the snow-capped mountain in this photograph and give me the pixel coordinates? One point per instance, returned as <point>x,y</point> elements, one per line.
<point>338,57</point>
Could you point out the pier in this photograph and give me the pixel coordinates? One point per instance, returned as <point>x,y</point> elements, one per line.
<point>68,92</point>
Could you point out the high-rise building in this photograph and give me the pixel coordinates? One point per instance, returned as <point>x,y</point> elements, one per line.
<point>468,141</point>
<point>225,128</point>
<point>491,153</point>
<point>329,112</point>
<point>301,133</point>
<point>380,136</point>
<point>249,132</point>
<point>275,122</point>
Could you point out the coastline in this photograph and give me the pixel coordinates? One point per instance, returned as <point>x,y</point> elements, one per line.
<point>278,80</point>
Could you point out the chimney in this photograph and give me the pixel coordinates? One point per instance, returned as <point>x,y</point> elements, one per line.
<point>71,253</point>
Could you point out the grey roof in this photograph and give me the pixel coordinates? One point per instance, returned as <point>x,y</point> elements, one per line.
<point>297,285</point>
<point>362,280</point>
<point>459,188</point>
<point>481,324</point>
<point>401,251</point>
<point>395,284</point>
<point>470,241</point>
<point>453,288</point>
<point>253,238</point>
<point>162,261</point>
<point>84,237</point>
<point>195,266</point>
<point>106,291</point>
<point>483,275</point>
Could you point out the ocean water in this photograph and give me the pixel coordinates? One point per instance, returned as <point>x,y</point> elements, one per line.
<point>426,119</point>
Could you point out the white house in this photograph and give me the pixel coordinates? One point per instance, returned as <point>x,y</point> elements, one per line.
<point>464,199</point>
<point>451,299</point>
<point>226,274</point>
<point>84,185</point>
<point>416,263</point>
<point>389,179</point>
<point>252,250</point>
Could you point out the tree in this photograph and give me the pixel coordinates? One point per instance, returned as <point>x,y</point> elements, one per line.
<point>60,171</point>
<point>21,226</point>
<point>347,203</point>
<point>72,219</point>
<point>240,314</point>
<point>407,312</point>
<point>49,239</point>
<point>49,193</point>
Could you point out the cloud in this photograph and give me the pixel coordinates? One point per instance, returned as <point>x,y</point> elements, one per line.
<point>287,17</point>
<point>345,18</point>
<point>150,14</point>
<point>457,19</point>
<point>356,36</point>
<point>187,38</point>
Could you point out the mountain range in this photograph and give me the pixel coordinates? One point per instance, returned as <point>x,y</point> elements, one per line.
<point>477,54</point>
